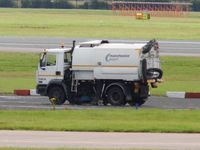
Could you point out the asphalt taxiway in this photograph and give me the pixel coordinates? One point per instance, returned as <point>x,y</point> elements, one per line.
<point>40,102</point>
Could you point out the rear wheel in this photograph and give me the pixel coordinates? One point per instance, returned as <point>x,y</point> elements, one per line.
<point>115,96</point>
<point>57,95</point>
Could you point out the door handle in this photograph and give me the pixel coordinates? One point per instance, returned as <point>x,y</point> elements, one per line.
<point>58,73</point>
<point>99,63</point>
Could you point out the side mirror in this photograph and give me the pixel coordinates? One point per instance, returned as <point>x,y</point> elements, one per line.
<point>42,65</point>
<point>42,60</point>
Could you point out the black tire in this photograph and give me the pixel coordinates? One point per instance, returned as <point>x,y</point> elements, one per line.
<point>56,95</point>
<point>115,96</point>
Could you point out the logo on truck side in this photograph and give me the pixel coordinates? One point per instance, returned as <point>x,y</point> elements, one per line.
<point>113,57</point>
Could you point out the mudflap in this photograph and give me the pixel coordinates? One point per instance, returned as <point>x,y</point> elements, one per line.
<point>144,91</point>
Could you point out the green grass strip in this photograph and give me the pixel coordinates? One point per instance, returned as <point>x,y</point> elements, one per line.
<point>95,24</point>
<point>17,71</point>
<point>180,74</point>
<point>103,120</point>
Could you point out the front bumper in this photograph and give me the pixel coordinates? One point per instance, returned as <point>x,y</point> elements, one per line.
<point>41,89</point>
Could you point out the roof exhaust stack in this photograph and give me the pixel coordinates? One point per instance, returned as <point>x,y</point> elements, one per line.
<point>73,45</point>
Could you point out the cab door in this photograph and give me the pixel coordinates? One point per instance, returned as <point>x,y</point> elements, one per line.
<point>48,69</point>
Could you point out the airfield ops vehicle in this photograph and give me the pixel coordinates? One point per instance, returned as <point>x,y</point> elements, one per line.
<point>115,73</point>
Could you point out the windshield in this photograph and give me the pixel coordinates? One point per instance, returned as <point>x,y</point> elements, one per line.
<point>47,59</point>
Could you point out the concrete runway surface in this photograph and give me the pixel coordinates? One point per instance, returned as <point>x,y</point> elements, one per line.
<point>50,139</point>
<point>39,102</point>
<point>37,44</point>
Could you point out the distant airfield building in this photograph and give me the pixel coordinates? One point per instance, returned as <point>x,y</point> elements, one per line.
<point>160,9</point>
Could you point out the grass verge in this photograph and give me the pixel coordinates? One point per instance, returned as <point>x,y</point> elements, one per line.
<point>17,71</point>
<point>104,120</point>
<point>95,24</point>
<point>180,74</point>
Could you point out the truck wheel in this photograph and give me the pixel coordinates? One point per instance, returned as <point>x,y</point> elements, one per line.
<point>115,96</point>
<point>57,95</point>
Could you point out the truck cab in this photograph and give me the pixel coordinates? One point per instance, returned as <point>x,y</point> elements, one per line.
<point>52,66</point>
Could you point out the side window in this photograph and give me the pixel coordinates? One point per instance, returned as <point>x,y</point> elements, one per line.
<point>51,59</point>
<point>67,58</point>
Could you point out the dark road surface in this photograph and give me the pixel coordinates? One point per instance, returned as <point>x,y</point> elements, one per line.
<point>38,102</point>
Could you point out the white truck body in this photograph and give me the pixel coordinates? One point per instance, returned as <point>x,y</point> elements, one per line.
<point>107,61</point>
